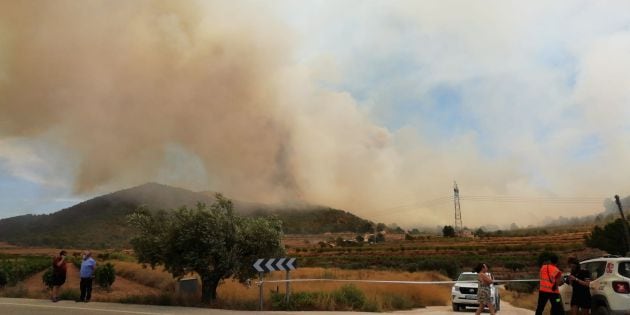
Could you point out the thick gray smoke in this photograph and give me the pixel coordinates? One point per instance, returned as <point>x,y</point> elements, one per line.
<point>217,95</point>
<point>121,80</point>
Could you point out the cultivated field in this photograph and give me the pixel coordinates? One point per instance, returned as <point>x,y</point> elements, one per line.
<point>422,259</point>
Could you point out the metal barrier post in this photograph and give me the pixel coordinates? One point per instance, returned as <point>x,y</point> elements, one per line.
<point>260,290</point>
<point>288,291</point>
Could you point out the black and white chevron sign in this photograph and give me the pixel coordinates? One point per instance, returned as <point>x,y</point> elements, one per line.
<point>275,264</point>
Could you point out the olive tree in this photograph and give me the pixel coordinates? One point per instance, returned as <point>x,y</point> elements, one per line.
<point>210,241</point>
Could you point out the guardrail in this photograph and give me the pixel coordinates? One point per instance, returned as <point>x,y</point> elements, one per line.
<point>391,281</point>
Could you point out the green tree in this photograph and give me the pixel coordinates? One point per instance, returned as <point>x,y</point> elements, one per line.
<point>380,238</point>
<point>212,242</point>
<point>448,231</point>
<point>380,227</point>
<point>610,239</point>
<point>105,275</point>
<point>480,232</point>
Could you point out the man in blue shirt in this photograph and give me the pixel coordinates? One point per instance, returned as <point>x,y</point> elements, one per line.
<point>87,274</point>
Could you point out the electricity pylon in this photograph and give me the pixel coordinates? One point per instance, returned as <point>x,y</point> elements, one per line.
<point>458,212</point>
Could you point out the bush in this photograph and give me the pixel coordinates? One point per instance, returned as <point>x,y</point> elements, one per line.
<point>4,278</point>
<point>398,302</point>
<point>47,278</point>
<point>299,301</point>
<point>69,294</point>
<point>105,275</point>
<point>15,292</point>
<point>349,296</point>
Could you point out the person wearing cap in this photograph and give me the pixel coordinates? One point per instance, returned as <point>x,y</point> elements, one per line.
<point>59,274</point>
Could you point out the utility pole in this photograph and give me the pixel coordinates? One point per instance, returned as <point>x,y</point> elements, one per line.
<point>458,212</point>
<point>625,225</point>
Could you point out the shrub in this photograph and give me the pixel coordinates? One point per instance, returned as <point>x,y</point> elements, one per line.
<point>16,292</point>
<point>349,296</point>
<point>105,275</point>
<point>47,277</point>
<point>299,301</point>
<point>69,294</point>
<point>398,302</point>
<point>4,278</point>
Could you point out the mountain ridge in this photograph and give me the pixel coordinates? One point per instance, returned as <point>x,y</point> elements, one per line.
<point>101,222</point>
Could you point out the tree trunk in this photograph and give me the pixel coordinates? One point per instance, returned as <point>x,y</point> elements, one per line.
<point>209,286</point>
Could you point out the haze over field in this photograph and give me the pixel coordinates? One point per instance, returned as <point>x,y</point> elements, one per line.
<point>374,107</point>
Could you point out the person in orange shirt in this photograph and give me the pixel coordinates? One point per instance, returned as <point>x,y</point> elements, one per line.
<point>550,279</point>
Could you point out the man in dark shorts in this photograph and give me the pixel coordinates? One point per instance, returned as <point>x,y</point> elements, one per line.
<point>59,274</point>
<point>579,280</point>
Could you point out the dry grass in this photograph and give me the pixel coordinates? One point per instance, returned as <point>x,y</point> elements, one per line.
<point>155,278</point>
<point>233,293</point>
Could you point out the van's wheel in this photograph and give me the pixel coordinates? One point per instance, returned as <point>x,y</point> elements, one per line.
<point>601,310</point>
<point>455,307</point>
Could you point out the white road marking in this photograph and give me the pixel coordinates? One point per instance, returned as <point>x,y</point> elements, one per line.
<point>83,308</point>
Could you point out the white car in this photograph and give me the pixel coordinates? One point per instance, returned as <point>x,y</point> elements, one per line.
<point>610,285</point>
<point>464,292</point>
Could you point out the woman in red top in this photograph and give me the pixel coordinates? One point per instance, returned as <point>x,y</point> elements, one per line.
<point>59,274</point>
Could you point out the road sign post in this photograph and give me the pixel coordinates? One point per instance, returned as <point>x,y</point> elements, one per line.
<point>288,290</point>
<point>260,290</point>
<point>263,265</point>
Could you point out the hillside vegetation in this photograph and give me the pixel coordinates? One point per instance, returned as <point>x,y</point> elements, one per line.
<point>101,222</point>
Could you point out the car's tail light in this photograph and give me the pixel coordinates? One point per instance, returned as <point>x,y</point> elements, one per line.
<point>621,287</point>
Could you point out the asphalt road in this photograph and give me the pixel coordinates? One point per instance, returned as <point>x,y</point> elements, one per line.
<point>11,306</point>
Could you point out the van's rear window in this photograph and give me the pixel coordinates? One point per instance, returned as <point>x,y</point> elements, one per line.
<point>624,269</point>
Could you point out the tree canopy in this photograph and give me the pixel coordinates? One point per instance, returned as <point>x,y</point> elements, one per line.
<point>611,238</point>
<point>210,241</point>
<point>448,231</point>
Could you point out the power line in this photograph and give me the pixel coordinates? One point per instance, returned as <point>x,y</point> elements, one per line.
<point>538,200</point>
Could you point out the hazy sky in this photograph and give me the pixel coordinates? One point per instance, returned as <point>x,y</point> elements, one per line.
<point>375,107</point>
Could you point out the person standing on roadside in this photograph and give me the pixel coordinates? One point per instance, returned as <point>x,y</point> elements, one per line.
<point>58,275</point>
<point>484,295</point>
<point>580,280</point>
<point>88,265</point>
<point>550,279</point>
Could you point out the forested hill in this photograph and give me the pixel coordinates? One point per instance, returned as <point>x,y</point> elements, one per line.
<point>101,222</point>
